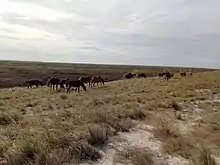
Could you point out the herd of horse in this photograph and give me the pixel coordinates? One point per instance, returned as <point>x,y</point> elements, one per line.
<point>54,83</point>
<point>167,75</point>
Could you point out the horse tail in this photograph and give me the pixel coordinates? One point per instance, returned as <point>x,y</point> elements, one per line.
<point>49,82</point>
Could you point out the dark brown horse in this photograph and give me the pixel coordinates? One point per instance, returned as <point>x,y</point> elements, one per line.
<point>33,82</point>
<point>75,83</point>
<point>97,80</point>
<point>141,75</point>
<point>129,76</point>
<point>161,74</point>
<point>53,82</point>
<point>168,75</point>
<point>63,83</point>
<point>85,80</point>
<point>183,74</point>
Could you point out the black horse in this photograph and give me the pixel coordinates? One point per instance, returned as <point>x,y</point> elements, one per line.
<point>54,81</point>
<point>33,82</point>
<point>75,83</point>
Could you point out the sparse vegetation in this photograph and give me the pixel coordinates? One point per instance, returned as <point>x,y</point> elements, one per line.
<point>17,71</point>
<point>176,106</point>
<point>205,158</point>
<point>97,135</point>
<point>37,120</point>
<point>137,156</point>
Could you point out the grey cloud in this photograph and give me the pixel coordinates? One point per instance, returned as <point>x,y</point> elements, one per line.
<point>183,32</point>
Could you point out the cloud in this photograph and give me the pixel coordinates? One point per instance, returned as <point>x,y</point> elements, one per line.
<point>171,32</point>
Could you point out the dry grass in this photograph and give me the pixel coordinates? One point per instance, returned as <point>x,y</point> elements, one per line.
<point>98,135</point>
<point>137,156</point>
<point>205,158</point>
<point>37,120</point>
<point>166,129</point>
<point>208,131</point>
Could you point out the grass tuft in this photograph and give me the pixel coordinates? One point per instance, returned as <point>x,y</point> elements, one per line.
<point>205,158</point>
<point>137,156</point>
<point>9,118</point>
<point>97,135</point>
<point>137,114</point>
<point>82,151</point>
<point>176,106</point>
<point>165,129</point>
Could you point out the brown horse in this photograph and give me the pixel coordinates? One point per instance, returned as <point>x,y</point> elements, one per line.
<point>77,84</point>
<point>97,79</point>
<point>85,80</point>
<point>53,82</point>
<point>63,83</point>
<point>32,82</point>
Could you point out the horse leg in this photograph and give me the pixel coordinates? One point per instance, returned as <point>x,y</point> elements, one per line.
<point>68,90</point>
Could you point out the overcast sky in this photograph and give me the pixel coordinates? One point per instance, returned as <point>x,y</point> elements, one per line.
<point>149,32</point>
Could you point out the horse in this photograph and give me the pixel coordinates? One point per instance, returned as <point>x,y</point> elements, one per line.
<point>129,76</point>
<point>54,81</point>
<point>183,74</point>
<point>85,80</point>
<point>142,75</point>
<point>64,82</point>
<point>168,75</point>
<point>32,82</point>
<point>75,83</point>
<point>161,74</point>
<point>97,79</point>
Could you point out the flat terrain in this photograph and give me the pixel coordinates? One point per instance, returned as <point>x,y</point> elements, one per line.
<point>15,73</point>
<point>137,121</point>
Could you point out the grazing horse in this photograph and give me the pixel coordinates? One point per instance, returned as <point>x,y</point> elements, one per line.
<point>161,74</point>
<point>183,74</point>
<point>77,84</point>
<point>35,82</point>
<point>85,80</point>
<point>129,76</point>
<point>142,75</point>
<point>64,82</point>
<point>97,79</point>
<point>54,81</point>
<point>168,75</point>
<point>190,73</point>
